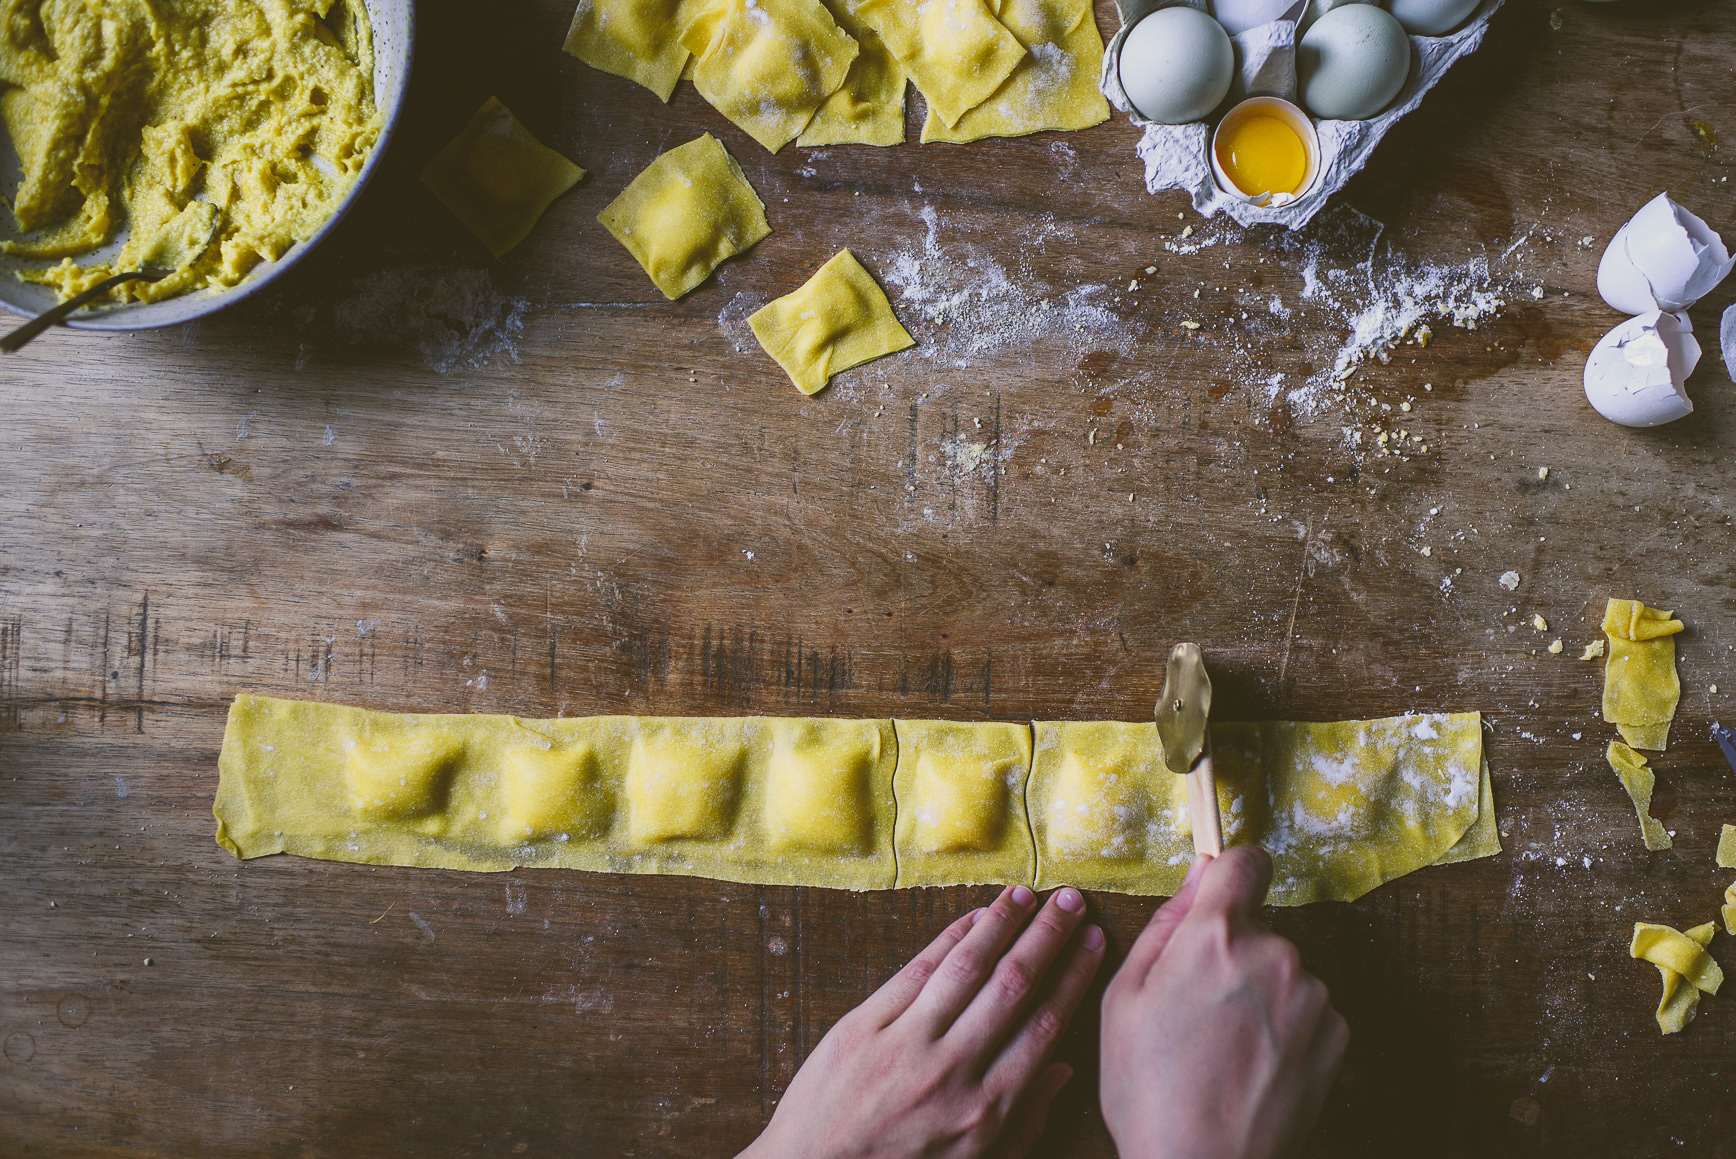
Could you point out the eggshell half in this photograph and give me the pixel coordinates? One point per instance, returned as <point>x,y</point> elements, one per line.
<point>1664,258</point>
<point>1636,372</point>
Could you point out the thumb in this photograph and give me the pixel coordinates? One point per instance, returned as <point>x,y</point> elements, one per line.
<point>1235,883</point>
<point>1148,947</point>
<point>1031,1113</point>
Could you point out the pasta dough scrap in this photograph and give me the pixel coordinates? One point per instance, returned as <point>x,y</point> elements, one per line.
<point>1342,807</point>
<point>635,39</point>
<point>1054,87</point>
<point>1638,780</point>
<point>1640,686</point>
<point>1727,911</point>
<point>498,179</point>
<point>961,803</point>
<point>955,50</point>
<point>1686,968</point>
<point>690,209</point>
<point>868,108</point>
<point>767,65</point>
<point>1727,847</point>
<point>839,318</point>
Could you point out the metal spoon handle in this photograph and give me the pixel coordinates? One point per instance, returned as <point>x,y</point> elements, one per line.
<point>18,338</point>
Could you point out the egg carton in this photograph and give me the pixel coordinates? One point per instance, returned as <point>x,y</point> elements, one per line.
<point>1179,156</point>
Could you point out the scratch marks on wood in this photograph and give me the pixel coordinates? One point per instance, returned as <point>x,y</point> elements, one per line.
<point>729,665</point>
<point>144,635</point>
<point>11,664</point>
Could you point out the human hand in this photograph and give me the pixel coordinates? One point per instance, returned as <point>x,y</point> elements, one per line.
<point>1216,1043</point>
<point>949,1059</point>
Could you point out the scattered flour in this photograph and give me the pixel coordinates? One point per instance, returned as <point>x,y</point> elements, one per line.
<point>453,316</point>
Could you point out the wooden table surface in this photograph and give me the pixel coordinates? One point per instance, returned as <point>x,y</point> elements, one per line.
<point>414,478</point>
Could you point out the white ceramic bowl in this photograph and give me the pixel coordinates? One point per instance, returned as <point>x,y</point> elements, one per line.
<point>394,24</point>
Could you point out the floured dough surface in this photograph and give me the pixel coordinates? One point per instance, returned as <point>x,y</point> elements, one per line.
<point>690,210</point>
<point>868,108</point>
<point>1640,686</point>
<point>838,319</point>
<point>1342,807</point>
<point>853,804</point>
<point>1055,86</point>
<point>961,803</point>
<point>498,179</point>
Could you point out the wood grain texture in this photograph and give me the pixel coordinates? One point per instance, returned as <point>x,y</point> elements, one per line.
<point>601,504</point>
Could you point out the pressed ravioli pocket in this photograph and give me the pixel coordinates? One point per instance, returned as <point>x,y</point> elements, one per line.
<point>868,108</point>
<point>1053,87</point>
<point>498,179</point>
<point>961,803</point>
<point>689,210</point>
<point>838,319</point>
<point>767,65</point>
<point>634,39</point>
<point>955,50</point>
<point>851,804</point>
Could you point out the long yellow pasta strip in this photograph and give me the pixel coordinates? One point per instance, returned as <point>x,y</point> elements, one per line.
<point>853,804</point>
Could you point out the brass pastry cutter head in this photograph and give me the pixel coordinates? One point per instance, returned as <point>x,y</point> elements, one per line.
<point>1181,714</point>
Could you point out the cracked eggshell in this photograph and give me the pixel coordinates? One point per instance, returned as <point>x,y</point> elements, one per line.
<point>1664,258</point>
<point>1636,372</point>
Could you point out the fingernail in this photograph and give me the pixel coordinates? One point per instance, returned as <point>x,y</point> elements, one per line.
<point>976,915</point>
<point>1022,896</point>
<point>1198,867</point>
<point>1070,900</point>
<point>1093,939</point>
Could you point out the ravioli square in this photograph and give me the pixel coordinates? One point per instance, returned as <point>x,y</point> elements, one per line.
<point>683,781</point>
<point>767,65</point>
<point>635,39</point>
<point>955,50</point>
<point>868,108</point>
<point>839,318</point>
<point>961,803</point>
<point>552,791</point>
<point>403,772</point>
<point>816,789</point>
<point>498,179</point>
<point>1054,87</point>
<point>689,210</point>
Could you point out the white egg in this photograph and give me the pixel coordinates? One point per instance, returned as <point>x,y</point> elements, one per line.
<point>1431,17</point>
<point>1636,372</point>
<point>1176,65</point>
<point>1664,258</point>
<point>1318,8</point>
<point>1241,15</point>
<point>1352,62</point>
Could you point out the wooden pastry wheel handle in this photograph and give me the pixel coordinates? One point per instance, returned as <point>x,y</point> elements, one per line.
<point>1202,807</point>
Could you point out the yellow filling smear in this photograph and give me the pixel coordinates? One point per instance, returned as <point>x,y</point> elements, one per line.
<point>1684,965</point>
<point>1638,780</point>
<point>1640,686</point>
<point>839,318</point>
<point>498,179</point>
<point>853,804</point>
<point>220,133</point>
<point>689,210</point>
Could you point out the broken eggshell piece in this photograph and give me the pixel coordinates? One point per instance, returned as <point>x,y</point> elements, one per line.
<point>1664,258</point>
<point>1636,372</point>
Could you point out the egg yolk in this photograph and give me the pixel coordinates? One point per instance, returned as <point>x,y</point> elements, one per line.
<point>1263,154</point>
